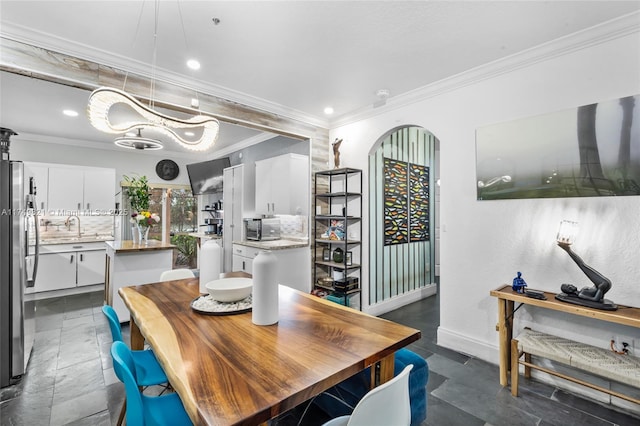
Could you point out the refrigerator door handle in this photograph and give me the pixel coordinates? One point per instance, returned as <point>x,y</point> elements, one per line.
<point>36,225</point>
<point>32,261</point>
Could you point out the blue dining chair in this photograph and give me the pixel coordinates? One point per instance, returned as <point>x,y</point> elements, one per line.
<point>144,410</point>
<point>148,369</point>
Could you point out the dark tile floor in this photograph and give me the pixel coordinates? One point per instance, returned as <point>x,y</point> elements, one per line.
<point>70,378</point>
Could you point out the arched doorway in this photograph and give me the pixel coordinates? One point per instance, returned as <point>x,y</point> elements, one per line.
<point>402,214</point>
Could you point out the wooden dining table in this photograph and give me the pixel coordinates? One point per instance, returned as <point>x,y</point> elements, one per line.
<point>229,371</point>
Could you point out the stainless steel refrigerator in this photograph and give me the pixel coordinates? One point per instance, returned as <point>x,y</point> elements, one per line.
<point>18,264</point>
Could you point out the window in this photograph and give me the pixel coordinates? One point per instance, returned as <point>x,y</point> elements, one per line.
<point>181,220</point>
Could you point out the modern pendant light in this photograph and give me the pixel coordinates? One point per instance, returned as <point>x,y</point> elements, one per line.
<point>102,118</point>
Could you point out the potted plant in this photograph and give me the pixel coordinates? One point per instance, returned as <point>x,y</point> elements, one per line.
<point>139,194</point>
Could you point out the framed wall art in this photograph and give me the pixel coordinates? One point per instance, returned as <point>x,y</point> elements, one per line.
<point>588,151</point>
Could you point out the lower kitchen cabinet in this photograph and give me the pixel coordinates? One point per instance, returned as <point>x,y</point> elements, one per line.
<point>243,258</point>
<point>56,271</point>
<point>67,266</point>
<point>293,264</point>
<point>90,267</point>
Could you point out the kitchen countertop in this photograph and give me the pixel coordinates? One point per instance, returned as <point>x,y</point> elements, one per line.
<point>129,246</point>
<point>73,240</point>
<point>274,244</point>
<point>206,236</point>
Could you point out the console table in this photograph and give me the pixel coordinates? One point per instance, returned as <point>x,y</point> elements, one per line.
<point>625,315</point>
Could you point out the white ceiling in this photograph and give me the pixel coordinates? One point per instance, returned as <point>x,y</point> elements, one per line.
<point>292,58</point>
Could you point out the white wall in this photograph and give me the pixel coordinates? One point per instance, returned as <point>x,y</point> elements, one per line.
<point>484,243</point>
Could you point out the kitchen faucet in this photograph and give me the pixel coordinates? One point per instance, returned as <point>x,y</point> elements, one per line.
<point>67,223</point>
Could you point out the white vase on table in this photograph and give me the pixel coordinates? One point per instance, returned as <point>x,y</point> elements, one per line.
<point>265,289</point>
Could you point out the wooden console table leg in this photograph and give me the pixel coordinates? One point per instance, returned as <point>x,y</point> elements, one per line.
<point>505,330</point>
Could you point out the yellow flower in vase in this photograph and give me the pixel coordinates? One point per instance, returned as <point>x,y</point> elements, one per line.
<point>145,218</point>
<point>144,221</point>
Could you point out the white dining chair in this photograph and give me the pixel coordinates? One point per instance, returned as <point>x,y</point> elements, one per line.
<point>385,405</point>
<point>176,274</point>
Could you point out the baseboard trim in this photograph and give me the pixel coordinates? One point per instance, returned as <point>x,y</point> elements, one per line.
<point>401,300</point>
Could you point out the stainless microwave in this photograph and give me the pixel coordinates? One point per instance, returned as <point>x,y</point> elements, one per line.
<point>262,229</point>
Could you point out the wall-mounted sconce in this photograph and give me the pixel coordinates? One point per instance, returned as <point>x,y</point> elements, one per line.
<point>592,297</point>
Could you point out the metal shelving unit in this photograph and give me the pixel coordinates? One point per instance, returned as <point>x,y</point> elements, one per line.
<point>338,227</point>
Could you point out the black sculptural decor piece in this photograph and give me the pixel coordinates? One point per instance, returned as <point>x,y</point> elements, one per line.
<point>592,297</point>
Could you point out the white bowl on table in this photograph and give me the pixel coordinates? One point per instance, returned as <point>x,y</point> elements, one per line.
<point>230,289</point>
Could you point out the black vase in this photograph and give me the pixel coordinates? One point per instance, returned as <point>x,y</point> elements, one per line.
<point>338,255</point>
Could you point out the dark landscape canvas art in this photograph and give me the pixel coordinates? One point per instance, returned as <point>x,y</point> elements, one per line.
<point>589,151</point>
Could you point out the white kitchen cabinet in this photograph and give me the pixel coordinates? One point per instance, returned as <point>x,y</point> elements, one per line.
<point>64,266</point>
<point>243,258</point>
<point>238,198</point>
<point>40,174</point>
<point>90,267</point>
<point>282,185</point>
<point>66,188</point>
<point>99,189</point>
<point>56,271</point>
<point>292,265</point>
<point>81,188</point>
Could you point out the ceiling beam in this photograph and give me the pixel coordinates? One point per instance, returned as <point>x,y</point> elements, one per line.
<point>36,62</point>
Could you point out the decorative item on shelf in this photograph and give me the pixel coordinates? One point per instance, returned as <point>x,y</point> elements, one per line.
<point>335,231</point>
<point>265,289</point>
<point>592,297</point>
<point>336,153</point>
<point>349,259</point>
<point>326,255</point>
<point>519,285</point>
<point>130,115</point>
<point>338,255</point>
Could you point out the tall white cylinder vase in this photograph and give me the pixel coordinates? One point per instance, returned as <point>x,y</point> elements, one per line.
<point>265,289</point>
<point>209,263</point>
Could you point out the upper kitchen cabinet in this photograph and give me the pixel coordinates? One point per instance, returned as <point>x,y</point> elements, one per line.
<point>282,185</point>
<point>81,188</point>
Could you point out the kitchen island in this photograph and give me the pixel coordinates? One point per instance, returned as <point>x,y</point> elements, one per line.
<point>128,263</point>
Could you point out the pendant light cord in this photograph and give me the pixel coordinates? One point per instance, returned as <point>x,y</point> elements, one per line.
<point>186,43</point>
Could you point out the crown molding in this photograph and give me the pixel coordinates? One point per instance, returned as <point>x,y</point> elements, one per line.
<point>601,33</point>
<point>76,49</point>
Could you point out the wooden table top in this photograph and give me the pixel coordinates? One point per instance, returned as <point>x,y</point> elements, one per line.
<point>626,315</point>
<point>126,246</point>
<point>229,371</point>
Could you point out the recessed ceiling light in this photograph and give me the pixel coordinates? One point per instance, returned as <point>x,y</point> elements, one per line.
<point>70,113</point>
<point>193,64</point>
<point>328,110</point>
